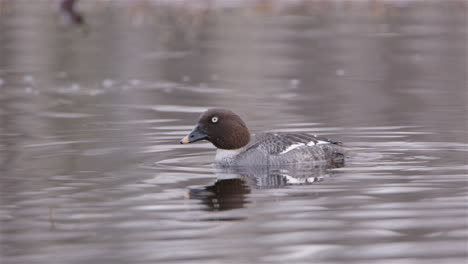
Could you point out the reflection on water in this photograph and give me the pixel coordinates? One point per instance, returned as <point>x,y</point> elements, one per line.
<point>224,194</point>
<point>263,177</point>
<point>232,184</point>
<point>90,166</point>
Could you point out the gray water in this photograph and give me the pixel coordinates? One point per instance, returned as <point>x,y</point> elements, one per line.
<point>92,172</point>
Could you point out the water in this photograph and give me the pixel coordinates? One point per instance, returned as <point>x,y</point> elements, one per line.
<point>91,168</point>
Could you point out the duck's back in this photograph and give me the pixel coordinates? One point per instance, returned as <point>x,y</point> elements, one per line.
<point>288,148</point>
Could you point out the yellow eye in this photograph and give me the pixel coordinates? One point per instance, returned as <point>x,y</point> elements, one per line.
<point>214,119</point>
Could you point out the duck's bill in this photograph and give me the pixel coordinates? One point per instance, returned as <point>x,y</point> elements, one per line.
<point>194,136</point>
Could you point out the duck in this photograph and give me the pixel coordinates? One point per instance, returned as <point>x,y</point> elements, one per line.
<point>236,146</point>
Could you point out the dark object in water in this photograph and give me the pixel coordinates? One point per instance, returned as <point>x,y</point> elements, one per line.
<point>67,9</point>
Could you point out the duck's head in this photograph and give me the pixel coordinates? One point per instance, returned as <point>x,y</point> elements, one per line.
<point>222,127</point>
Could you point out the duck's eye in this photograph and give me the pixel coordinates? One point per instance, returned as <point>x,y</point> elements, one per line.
<point>214,119</point>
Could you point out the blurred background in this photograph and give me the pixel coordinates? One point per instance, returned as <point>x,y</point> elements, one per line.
<point>95,95</point>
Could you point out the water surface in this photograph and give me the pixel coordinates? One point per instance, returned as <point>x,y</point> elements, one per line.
<point>91,168</point>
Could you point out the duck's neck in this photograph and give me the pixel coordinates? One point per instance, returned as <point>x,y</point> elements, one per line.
<point>228,155</point>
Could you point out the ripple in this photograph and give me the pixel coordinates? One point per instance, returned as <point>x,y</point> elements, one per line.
<point>54,143</point>
<point>64,115</point>
<point>160,108</point>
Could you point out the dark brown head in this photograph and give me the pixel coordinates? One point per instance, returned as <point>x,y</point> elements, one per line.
<point>222,127</point>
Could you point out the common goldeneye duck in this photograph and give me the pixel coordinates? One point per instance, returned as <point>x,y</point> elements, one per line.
<point>236,146</point>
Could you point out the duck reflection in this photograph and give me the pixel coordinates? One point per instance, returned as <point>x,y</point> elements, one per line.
<point>233,185</point>
<point>224,194</point>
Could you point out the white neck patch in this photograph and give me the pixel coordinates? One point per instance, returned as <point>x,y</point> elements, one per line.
<point>224,155</point>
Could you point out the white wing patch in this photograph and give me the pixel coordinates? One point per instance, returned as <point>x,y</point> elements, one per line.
<point>297,145</point>
<point>321,142</point>
<point>293,146</point>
